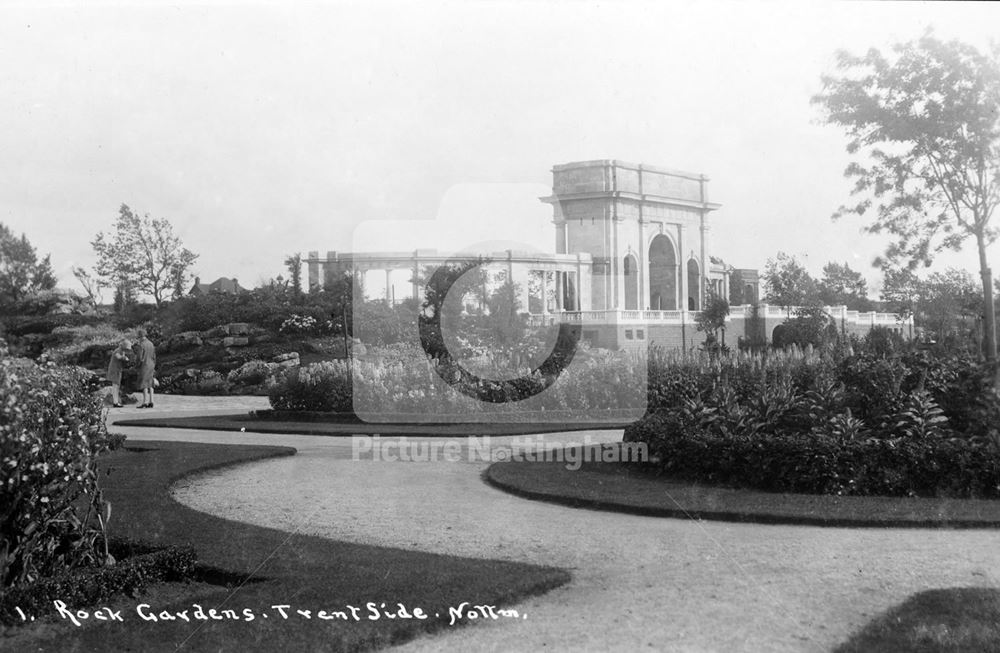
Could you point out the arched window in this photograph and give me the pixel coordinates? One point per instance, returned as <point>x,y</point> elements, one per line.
<point>694,285</point>
<point>630,270</point>
<point>662,274</point>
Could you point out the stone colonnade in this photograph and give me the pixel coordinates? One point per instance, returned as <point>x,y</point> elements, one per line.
<point>560,282</point>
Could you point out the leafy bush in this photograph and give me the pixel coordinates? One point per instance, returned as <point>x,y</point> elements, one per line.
<point>136,315</point>
<point>136,567</point>
<point>25,325</point>
<point>322,386</point>
<point>253,372</point>
<point>80,345</point>
<point>875,422</point>
<point>828,460</point>
<point>51,432</point>
<point>298,324</point>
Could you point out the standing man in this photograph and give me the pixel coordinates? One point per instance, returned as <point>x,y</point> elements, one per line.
<point>147,365</point>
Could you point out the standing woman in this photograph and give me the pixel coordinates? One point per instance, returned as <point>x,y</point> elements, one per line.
<point>147,365</point>
<point>118,359</point>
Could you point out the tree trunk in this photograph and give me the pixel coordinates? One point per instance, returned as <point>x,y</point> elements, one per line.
<point>989,317</point>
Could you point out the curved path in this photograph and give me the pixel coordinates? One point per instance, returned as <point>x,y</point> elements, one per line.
<point>665,584</point>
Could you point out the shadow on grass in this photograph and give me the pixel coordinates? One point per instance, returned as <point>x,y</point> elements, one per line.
<point>630,488</point>
<point>268,567</point>
<point>348,425</point>
<point>954,619</point>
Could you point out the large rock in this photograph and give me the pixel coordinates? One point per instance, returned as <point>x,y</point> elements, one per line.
<point>287,360</point>
<point>253,372</point>
<point>235,341</point>
<point>238,329</point>
<point>185,340</point>
<point>58,301</point>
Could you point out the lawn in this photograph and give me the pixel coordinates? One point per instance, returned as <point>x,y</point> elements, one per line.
<point>633,489</point>
<point>274,568</point>
<point>954,619</point>
<point>348,425</point>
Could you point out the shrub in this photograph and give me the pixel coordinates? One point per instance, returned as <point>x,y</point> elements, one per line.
<point>908,424</point>
<point>322,386</point>
<point>25,325</point>
<point>824,461</point>
<point>136,568</point>
<point>83,345</point>
<point>136,315</point>
<point>253,372</point>
<point>51,432</point>
<point>297,324</point>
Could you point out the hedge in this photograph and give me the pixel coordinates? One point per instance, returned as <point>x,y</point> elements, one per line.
<point>836,421</point>
<point>949,467</point>
<point>137,566</point>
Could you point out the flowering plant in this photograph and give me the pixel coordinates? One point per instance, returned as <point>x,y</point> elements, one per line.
<point>51,432</point>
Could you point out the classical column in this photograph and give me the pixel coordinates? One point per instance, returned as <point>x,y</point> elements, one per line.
<point>704,233</point>
<point>643,270</point>
<point>312,263</point>
<point>703,264</point>
<point>682,276</point>
<point>545,292</point>
<point>616,260</point>
<point>330,268</point>
<point>526,290</point>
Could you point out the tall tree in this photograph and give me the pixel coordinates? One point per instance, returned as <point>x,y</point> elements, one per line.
<point>90,285</point>
<point>712,320</point>
<point>842,286</point>
<point>294,264</point>
<point>21,273</point>
<point>787,283</point>
<point>142,255</point>
<point>713,317</point>
<point>948,301</point>
<point>900,292</point>
<point>924,128</point>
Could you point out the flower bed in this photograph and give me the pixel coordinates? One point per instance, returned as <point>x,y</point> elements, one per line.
<point>834,423</point>
<point>391,380</point>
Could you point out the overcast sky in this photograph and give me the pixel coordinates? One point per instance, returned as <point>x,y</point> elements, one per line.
<point>260,130</point>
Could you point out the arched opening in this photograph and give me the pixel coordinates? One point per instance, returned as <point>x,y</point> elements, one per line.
<point>749,296</point>
<point>630,270</point>
<point>694,285</point>
<point>662,275</point>
<point>781,336</point>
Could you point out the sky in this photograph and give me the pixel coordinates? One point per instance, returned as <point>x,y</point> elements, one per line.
<point>263,129</point>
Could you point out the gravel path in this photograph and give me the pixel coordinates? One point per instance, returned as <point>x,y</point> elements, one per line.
<point>638,582</point>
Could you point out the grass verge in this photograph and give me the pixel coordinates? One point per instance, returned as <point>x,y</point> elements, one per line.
<point>953,619</point>
<point>276,568</point>
<point>625,487</point>
<point>341,425</point>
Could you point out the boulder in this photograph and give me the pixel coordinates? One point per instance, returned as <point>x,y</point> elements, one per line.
<point>58,301</point>
<point>184,340</point>
<point>287,360</point>
<point>253,372</point>
<point>238,329</point>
